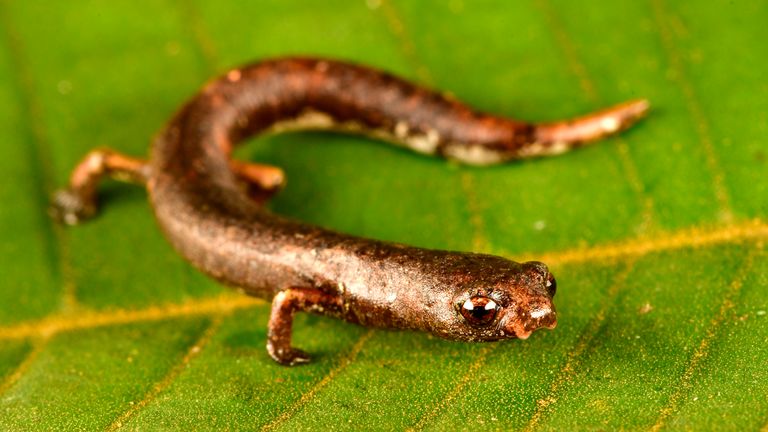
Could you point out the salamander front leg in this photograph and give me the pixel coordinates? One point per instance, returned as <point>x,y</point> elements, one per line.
<point>280,327</point>
<point>78,201</point>
<point>261,181</point>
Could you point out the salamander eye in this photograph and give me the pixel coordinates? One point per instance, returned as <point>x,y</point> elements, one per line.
<point>551,285</point>
<point>479,310</point>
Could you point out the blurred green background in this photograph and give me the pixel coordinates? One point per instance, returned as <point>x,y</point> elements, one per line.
<point>656,237</point>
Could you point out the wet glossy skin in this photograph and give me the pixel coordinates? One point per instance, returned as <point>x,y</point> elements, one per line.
<point>209,207</point>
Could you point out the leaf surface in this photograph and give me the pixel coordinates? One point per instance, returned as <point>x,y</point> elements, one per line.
<point>656,236</point>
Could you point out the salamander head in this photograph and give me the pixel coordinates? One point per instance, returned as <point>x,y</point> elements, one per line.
<point>510,300</point>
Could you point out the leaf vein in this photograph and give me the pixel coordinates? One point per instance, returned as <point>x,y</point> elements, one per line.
<point>566,374</point>
<point>24,365</point>
<point>306,397</point>
<point>57,251</point>
<point>194,350</point>
<point>70,322</point>
<point>447,400</point>
<point>701,353</point>
<point>195,25</point>
<point>695,237</point>
<point>690,238</point>
<point>579,70</point>
<point>695,110</point>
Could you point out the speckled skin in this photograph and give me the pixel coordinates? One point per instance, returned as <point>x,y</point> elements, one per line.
<point>204,207</point>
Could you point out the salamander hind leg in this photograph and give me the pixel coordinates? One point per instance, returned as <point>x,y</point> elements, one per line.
<point>78,201</point>
<point>280,327</point>
<point>261,182</point>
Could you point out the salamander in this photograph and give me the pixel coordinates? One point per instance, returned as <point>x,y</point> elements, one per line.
<point>210,206</point>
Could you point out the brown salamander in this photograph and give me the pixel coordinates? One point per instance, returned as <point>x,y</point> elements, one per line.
<point>209,205</point>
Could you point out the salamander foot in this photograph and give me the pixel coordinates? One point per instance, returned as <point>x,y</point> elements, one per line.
<point>70,207</point>
<point>287,357</point>
<point>285,304</point>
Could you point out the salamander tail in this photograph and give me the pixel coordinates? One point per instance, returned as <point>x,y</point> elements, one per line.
<point>563,135</point>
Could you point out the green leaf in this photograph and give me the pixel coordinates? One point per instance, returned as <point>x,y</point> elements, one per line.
<point>656,237</point>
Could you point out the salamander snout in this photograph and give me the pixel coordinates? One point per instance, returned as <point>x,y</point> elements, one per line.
<point>530,320</point>
<point>535,308</point>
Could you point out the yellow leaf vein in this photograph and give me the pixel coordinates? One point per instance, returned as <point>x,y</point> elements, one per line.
<point>588,87</point>
<point>694,109</point>
<point>194,350</point>
<point>702,351</point>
